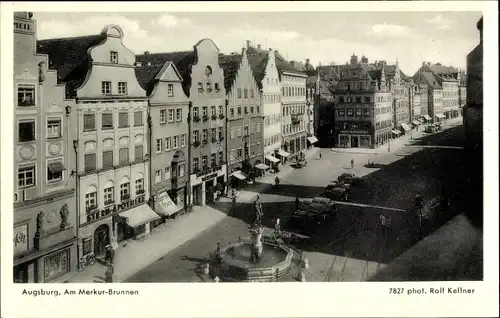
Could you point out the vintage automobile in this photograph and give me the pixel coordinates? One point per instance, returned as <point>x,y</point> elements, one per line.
<point>350,178</point>
<point>315,212</point>
<point>336,194</point>
<point>338,184</point>
<point>300,164</point>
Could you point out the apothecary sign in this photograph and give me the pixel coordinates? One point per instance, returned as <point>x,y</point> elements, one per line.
<point>21,239</point>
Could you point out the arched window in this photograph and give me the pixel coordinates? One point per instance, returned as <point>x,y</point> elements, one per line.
<point>124,189</point>
<point>109,193</point>
<point>139,184</point>
<point>90,198</point>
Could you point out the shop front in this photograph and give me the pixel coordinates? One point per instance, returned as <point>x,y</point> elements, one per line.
<point>136,222</point>
<point>205,183</point>
<point>281,154</point>
<point>272,161</point>
<point>440,118</point>
<point>353,134</point>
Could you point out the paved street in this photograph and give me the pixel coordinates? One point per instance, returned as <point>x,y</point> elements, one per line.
<point>355,233</point>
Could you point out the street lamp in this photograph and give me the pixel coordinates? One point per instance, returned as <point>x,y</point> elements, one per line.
<point>419,205</point>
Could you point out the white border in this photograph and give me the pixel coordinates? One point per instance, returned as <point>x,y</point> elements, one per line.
<point>273,300</point>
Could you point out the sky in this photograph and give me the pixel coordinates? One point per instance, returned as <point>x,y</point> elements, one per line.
<point>323,37</point>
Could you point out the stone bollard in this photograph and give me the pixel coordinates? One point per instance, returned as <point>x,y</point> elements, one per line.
<point>305,263</point>
<point>302,277</point>
<point>216,279</point>
<point>206,269</point>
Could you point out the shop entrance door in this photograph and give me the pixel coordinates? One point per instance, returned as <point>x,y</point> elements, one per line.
<point>101,239</point>
<point>354,141</point>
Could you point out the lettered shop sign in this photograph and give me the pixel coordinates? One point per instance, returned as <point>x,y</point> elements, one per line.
<point>21,239</point>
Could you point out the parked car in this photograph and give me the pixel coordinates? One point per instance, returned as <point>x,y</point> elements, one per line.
<point>339,184</point>
<point>314,212</point>
<point>350,178</point>
<point>337,194</point>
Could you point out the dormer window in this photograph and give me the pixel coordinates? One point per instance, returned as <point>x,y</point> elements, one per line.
<point>113,57</point>
<point>209,86</point>
<point>200,87</point>
<point>170,89</point>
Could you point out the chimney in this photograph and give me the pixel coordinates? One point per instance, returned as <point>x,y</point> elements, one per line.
<point>248,44</point>
<point>258,46</point>
<point>146,53</point>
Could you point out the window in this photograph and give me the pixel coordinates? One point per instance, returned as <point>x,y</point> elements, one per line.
<point>170,115</point>
<point>157,176</point>
<point>195,111</point>
<point>213,159</point>
<point>138,118</point>
<point>221,157</point>
<point>107,159</point>
<point>88,122</point>
<point>26,176</point>
<point>90,162</point>
<point>107,121</point>
<point>209,86</point>
<point>123,156</point>
<point>221,131</point>
<point>196,163</point>
<point>183,140</point>
<point>196,135</point>
<point>231,111</point>
<point>113,57</point>
<point>200,87</point>
<point>239,92</point>
<point>91,199</point>
<point>181,170</point>
<point>239,153</point>
<point>204,161</point>
<point>366,112</point>
<point>138,152</point>
<point>251,110</point>
<point>26,95</point>
<point>122,88</point>
<point>178,114</point>
<point>167,173</point>
<point>252,95</point>
<point>213,111</point>
<point>139,186</point>
<point>246,110</point>
<point>27,131</point>
<point>158,145</point>
<point>106,88</point>
<point>57,264</point>
<point>239,111</point>
<point>245,93</point>
<point>125,191</point>
<point>246,131</point>
<point>358,112</point>
<point>168,143</point>
<point>349,112</point>
<point>205,111</point>
<point>205,134</point>
<point>217,87</point>
<point>122,120</point>
<point>176,142</point>
<point>341,111</point>
<point>258,109</point>
<point>170,90</point>
<point>109,194</point>
<point>213,133</point>
<point>233,133</point>
<point>221,110</point>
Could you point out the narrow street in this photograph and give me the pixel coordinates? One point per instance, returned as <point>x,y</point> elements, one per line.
<point>355,233</point>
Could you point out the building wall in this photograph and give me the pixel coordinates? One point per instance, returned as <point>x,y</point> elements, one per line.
<point>206,53</point>
<point>165,127</point>
<point>424,95</point>
<point>450,96</point>
<point>294,101</point>
<point>271,104</point>
<point>383,117</point>
<point>43,197</point>
<point>435,102</point>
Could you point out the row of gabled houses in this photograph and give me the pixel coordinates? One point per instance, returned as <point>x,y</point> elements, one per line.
<point>367,104</point>
<point>109,143</point>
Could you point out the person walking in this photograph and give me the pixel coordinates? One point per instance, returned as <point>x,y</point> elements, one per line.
<point>297,203</point>
<point>352,163</point>
<point>320,154</point>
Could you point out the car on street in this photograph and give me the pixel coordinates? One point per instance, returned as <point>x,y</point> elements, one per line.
<point>350,178</point>
<point>315,212</point>
<point>336,194</point>
<point>338,184</point>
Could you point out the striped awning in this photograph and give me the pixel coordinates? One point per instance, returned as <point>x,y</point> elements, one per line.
<point>405,127</point>
<point>283,153</point>
<point>416,122</point>
<point>272,159</point>
<point>139,215</point>
<point>238,174</point>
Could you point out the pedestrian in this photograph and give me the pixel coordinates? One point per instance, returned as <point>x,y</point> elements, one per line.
<point>320,154</point>
<point>383,223</point>
<point>352,163</point>
<point>109,274</point>
<point>297,203</point>
<point>233,206</point>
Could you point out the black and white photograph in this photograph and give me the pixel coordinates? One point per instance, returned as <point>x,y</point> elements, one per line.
<point>248,147</point>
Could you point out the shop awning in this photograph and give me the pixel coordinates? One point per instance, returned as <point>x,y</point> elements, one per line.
<point>262,166</point>
<point>139,215</point>
<point>440,116</point>
<point>272,159</point>
<point>427,117</point>
<point>165,206</point>
<point>395,131</point>
<point>416,122</point>
<point>405,127</point>
<point>421,120</point>
<point>239,175</point>
<point>56,167</point>
<point>283,153</point>
<point>312,139</point>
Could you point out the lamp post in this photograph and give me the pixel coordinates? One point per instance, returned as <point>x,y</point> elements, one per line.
<point>419,206</point>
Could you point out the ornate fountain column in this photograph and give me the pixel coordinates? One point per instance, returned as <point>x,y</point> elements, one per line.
<point>256,243</point>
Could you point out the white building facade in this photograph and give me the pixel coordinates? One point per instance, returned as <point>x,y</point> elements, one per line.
<point>271,101</point>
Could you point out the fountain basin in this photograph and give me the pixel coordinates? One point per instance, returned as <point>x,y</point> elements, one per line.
<point>274,263</point>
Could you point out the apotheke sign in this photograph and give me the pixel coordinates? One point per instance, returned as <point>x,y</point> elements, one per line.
<point>125,205</point>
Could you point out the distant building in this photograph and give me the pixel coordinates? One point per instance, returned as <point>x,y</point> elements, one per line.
<point>45,212</point>
<point>434,95</point>
<point>168,130</point>
<point>322,101</point>
<point>244,133</point>
<point>111,144</point>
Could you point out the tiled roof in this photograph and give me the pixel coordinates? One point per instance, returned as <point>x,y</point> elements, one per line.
<point>258,62</point>
<point>375,74</point>
<point>283,66</point>
<point>69,57</point>
<point>152,63</point>
<point>428,78</point>
<point>230,64</point>
<point>440,69</point>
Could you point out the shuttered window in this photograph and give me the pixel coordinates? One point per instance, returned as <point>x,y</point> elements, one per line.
<point>107,159</point>
<point>138,118</point>
<point>89,122</point>
<point>90,162</point>
<point>123,156</point>
<point>138,152</point>
<point>107,121</point>
<point>123,120</point>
